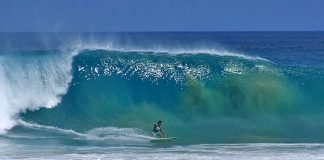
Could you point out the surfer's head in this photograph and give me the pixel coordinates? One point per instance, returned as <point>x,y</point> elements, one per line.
<point>159,122</point>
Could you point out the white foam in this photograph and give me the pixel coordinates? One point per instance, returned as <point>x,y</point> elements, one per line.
<point>119,134</point>
<point>198,50</point>
<point>113,134</point>
<point>28,82</point>
<point>50,128</point>
<point>201,152</point>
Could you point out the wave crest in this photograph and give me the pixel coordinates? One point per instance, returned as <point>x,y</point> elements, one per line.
<point>29,82</point>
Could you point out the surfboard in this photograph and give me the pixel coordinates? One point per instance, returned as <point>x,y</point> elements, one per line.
<point>161,140</point>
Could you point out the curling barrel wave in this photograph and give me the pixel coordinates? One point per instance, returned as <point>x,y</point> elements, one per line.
<point>201,98</point>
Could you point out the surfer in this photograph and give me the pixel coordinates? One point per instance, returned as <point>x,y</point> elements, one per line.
<point>157,130</point>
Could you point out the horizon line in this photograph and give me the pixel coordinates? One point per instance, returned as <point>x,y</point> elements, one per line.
<point>158,31</point>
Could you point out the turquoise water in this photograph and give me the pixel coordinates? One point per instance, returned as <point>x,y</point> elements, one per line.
<point>97,95</point>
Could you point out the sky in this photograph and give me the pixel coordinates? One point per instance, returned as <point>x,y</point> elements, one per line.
<point>160,15</point>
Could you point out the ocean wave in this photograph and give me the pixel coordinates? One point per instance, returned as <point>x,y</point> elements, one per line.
<point>90,88</point>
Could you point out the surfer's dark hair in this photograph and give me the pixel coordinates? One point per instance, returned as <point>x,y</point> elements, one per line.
<point>159,121</point>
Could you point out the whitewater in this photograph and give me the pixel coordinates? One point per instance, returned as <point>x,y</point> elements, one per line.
<point>235,95</point>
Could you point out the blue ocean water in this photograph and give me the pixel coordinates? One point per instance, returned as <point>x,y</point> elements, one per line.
<point>226,95</point>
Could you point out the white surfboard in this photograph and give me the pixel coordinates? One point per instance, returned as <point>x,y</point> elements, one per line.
<point>166,139</point>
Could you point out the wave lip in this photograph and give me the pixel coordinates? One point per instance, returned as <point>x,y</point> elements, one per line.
<point>167,50</point>
<point>29,82</point>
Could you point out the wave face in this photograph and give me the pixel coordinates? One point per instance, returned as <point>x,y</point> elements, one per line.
<point>202,97</point>
<point>211,98</point>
